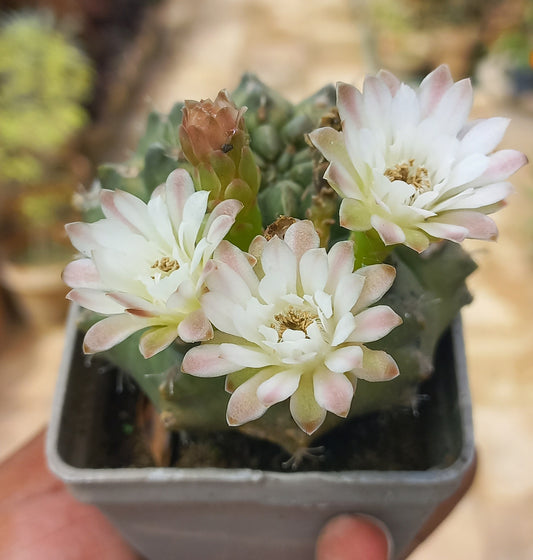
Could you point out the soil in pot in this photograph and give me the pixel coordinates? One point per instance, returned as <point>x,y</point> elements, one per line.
<point>104,403</point>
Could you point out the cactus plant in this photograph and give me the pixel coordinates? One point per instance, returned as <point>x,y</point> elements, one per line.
<point>349,198</point>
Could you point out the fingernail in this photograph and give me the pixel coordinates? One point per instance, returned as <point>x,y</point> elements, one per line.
<point>354,537</point>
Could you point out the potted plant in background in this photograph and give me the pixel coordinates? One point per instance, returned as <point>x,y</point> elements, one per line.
<point>278,253</point>
<point>46,79</point>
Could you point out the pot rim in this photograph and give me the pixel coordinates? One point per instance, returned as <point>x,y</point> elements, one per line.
<point>228,481</point>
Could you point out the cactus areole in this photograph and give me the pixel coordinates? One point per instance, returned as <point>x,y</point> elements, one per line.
<point>279,269</point>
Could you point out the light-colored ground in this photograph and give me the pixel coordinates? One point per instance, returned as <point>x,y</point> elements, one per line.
<point>297,47</point>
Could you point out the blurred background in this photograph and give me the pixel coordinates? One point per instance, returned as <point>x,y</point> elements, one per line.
<point>77,80</point>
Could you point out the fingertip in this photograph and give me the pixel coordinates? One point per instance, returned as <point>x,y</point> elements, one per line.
<point>354,537</point>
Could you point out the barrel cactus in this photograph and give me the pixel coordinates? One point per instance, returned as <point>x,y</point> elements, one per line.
<point>264,248</point>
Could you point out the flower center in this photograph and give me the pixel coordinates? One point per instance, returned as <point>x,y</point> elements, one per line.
<point>293,319</point>
<point>407,172</point>
<point>166,264</point>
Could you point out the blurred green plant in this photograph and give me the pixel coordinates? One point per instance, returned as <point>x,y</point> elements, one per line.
<point>44,81</point>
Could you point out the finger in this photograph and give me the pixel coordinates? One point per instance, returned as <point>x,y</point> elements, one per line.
<point>354,537</point>
<point>40,519</point>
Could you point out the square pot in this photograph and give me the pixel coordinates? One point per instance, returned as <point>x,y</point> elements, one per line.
<point>237,514</point>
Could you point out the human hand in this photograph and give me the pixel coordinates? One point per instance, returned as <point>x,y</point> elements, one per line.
<point>354,537</point>
<point>40,519</point>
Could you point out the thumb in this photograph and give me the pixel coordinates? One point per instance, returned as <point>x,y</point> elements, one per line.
<point>354,537</point>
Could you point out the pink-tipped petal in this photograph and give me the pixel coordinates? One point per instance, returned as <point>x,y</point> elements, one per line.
<point>374,323</point>
<point>333,391</point>
<point>239,262</point>
<point>377,366</point>
<point>377,102</point>
<point>479,225</point>
<point>244,404</point>
<point>433,87</point>
<point>390,233</point>
<point>350,105</point>
<point>343,181</point>
<point>95,300</point>
<point>220,311</point>
<point>195,327</point>
<point>390,80</point>
<point>228,207</point>
<point>279,387</point>
<point>222,279</point>
<point>179,187</point>
<point>219,228</point>
<point>331,143</point>
<point>80,235</point>
<point>82,273</point>
<point>107,201</point>
<point>245,356</point>
<point>206,360</point>
<point>301,237</point>
<point>378,279</point>
<point>340,263</point>
<point>111,331</point>
<point>502,164</point>
<point>307,413</point>
<point>135,303</point>
<point>454,107</point>
<point>451,232</point>
<point>156,339</point>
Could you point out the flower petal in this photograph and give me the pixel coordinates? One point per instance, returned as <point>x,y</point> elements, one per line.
<point>110,331</point>
<point>343,329</point>
<point>307,413</point>
<point>340,263</point>
<point>220,310</point>
<point>345,359</point>
<point>244,404</point>
<point>207,360</point>
<point>479,225</point>
<point>95,300</point>
<point>195,327</point>
<point>374,323</point>
<point>502,164</point>
<point>245,356</point>
<point>279,387</point>
<point>314,270</point>
<point>354,215</point>
<point>433,87</point>
<point>301,237</point>
<point>378,279</point>
<point>179,187</point>
<point>333,391</point>
<point>451,232</point>
<point>390,233</point>
<point>377,366</point>
<point>156,339</point>
<point>82,273</point>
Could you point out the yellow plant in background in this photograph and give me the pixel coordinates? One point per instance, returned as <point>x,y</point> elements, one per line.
<point>44,81</point>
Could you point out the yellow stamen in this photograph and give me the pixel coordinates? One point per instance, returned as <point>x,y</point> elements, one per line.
<point>418,177</point>
<point>166,264</point>
<point>293,319</point>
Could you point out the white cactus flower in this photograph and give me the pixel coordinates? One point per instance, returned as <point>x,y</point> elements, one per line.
<point>409,165</point>
<point>143,264</point>
<point>293,327</point>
